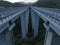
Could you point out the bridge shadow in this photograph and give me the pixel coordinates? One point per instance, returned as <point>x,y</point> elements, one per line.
<point>39,40</point>
<point>30,40</point>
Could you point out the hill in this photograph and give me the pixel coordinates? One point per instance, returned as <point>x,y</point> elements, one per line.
<point>7,4</point>
<point>49,4</point>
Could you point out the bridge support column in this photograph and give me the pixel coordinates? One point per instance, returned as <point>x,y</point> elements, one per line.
<point>6,35</point>
<point>48,35</point>
<point>24,24</point>
<point>3,39</point>
<point>9,38</point>
<point>55,39</point>
<point>48,38</point>
<point>51,37</point>
<point>6,38</point>
<point>35,23</point>
<point>27,19</point>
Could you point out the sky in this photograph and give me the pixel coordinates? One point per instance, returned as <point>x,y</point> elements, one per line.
<point>26,1</point>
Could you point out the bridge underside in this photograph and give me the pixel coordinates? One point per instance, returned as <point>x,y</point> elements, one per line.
<point>39,39</point>
<point>28,27</point>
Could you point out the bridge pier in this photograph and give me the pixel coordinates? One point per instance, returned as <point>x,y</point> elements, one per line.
<point>6,34</point>
<point>3,39</point>
<point>6,38</point>
<point>23,26</point>
<point>27,20</point>
<point>55,39</point>
<point>35,23</point>
<point>51,37</point>
<point>48,38</point>
<point>9,38</point>
<point>24,23</point>
<point>48,35</point>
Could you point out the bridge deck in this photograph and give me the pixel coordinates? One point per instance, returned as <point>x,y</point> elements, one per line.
<point>50,19</point>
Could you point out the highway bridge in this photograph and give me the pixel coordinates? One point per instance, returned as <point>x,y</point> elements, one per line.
<point>50,17</point>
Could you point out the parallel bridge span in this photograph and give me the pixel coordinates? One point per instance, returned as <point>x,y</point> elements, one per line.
<point>50,17</point>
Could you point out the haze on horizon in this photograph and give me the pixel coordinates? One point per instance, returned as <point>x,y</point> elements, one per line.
<point>25,1</point>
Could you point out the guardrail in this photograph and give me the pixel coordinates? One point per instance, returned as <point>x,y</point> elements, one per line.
<point>55,16</point>
<point>48,16</point>
<point>8,15</point>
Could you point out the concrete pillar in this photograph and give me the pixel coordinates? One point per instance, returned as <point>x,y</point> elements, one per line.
<point>55,39</point>
<point>24,24</point>
<point>52,38</point>
<point>48,35</point>
<point>27,19</point>
<point>6,38</point>
<point>35,23</point>
<point>3,39</point>
<point>9,38</point>
<point>48,38</point>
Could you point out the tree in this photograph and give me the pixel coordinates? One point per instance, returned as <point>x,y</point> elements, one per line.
<point>7,4</point>
<point>49,4</point>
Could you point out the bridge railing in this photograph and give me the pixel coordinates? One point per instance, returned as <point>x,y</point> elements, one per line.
<point>51,23</point>
<point>55,16</point>
<point>8,15</point>
<point>51,17</point>
<point>8,12</point>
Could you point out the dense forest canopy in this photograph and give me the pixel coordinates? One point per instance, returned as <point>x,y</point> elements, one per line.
<point>50,4</point>
<point>9,4</point>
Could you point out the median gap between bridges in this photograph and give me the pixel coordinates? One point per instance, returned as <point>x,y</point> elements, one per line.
<point>30,40</point>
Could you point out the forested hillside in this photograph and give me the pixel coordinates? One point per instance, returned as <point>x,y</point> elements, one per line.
<point>9,4</point>
<point>50,4</point>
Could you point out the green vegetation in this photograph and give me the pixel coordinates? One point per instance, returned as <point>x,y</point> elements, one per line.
<point>49,4</point>
<point>9,4</point>
<point>5,4</point>
<point>17,4</point>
